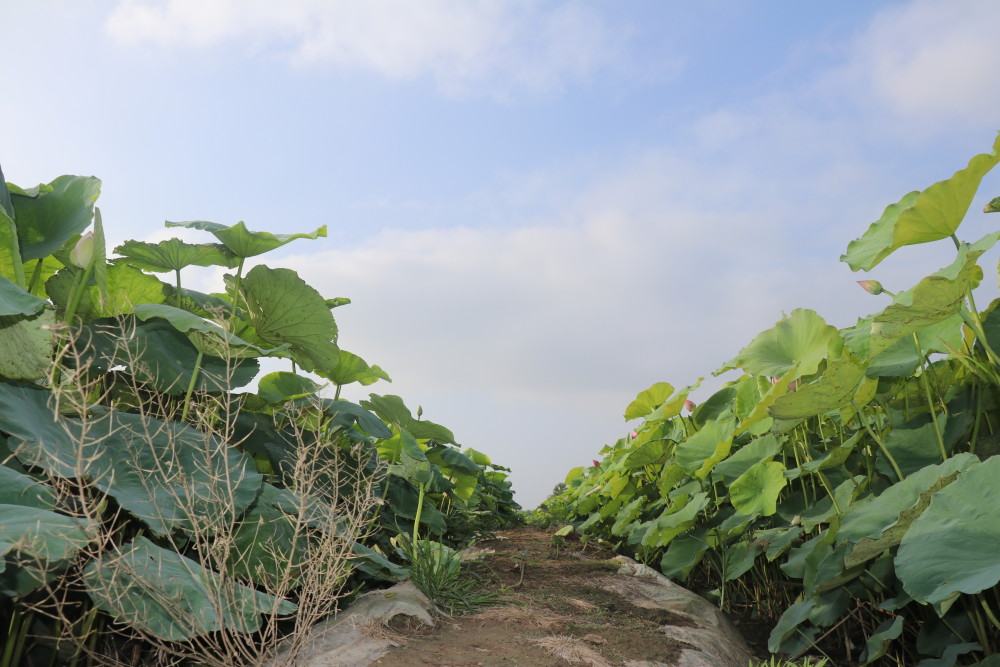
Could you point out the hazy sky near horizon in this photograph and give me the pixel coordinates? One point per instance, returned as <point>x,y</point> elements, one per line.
<point>538,208</point>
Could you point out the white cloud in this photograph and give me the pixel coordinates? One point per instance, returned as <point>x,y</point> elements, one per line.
<point>464,45</point>
<point>530,341</point>
<point>933,61</point>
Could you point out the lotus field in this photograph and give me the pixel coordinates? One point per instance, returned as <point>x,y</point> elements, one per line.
<point>150,511</point>
<point>846,486</point>
<point>155,509</point>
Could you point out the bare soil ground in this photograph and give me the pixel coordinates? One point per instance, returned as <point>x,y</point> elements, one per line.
<point>548,612</point>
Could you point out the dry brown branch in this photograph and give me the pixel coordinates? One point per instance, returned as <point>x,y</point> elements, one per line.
<point>332,505</point>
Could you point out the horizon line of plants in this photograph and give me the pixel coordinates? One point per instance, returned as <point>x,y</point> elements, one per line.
<point>846,484</point>
<point>128,463</point>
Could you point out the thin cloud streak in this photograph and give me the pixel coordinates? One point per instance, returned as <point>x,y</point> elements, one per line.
<point>493,47</point>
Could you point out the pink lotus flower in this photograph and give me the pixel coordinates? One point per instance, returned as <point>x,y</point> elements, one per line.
<point>871,286</point>
<point>597,464</point>
<point>689,405</point>
<point>634,435</point>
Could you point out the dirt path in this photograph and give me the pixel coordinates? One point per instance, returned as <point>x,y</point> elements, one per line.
<point>550,600</point>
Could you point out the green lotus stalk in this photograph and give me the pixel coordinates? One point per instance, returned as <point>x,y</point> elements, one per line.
<point>878,441</point>
<point>416,519</point>
<point>82,257</point>
<point>190,388</point>
<point>974,321</point>
<point>36,276</point>
<point>16,635</point>
<point>177,282</point>
<point>236,286</point>
<point>930,401</point>
<point>989,612</point>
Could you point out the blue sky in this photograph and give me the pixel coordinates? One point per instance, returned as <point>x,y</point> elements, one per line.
<point>538,208</point>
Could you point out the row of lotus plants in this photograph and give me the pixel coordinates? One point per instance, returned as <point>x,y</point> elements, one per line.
<point>150,511</point>
<point>846,485</point>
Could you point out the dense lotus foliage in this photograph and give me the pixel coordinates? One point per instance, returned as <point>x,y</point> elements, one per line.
<point>847,484</point>
<point>143,497</point>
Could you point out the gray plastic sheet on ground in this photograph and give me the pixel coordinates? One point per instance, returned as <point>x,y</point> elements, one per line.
<point>346,640</point>
<point>715,642</point>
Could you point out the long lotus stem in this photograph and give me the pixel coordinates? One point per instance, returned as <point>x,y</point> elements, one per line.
<point>75,295</point>
<point>930,401</point>
<point>36,275</point>
<point>416,520</point>
<point>190,388</point>
<point>878,441</point>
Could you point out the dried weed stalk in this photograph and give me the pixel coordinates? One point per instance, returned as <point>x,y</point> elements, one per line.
<point>333,479</point>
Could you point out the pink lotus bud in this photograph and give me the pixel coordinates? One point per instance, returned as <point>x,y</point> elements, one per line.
<point>83,252</point>
<point>597,464</point>
<point>871,286</point>
<point>689,405</point>
<point>634,435</point>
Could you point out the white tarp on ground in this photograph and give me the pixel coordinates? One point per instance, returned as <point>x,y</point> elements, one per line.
<point>348,639</point>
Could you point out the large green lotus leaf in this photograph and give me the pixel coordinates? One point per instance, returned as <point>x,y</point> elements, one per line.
<point>740,557</point>
<point>669,525</point>
<point>755,493</point>
<point>168,474</point>
<point>933,300</point>
<point>282,386</point>
<point>26,345</point>
<point>352,368</point>
<point>878,644</point>
<point>868,548</point>
<point>174,255</point>
<point>209,306</point>
<point>648,400</point>
<point>627,515</point>
<point>921,217</point>
<point>35,545</point>
<point>127,286</point>
<point>873,515</point>
<point>748,394</point>
<point>759,450</point>
<point>393,411</point>
<point>6,206</point>
<point>284,310</point>
<point>801,340</point>
<point>705,448</point>
<point>451,460</point>
<point>759,415</point>
<point>11,266</point>
<point>19,489</point>
<point>267,548</point>
<point>207,337</point>
<point>788,625</point>
<point>47,215</point>
<point>833,390</point>
<point>346,414</point>
<point>16,301</point>
<point>459,468</point>
<point>173,597</point>
<point>648,453</point>
<point>402,499</point>
<point>833,457</point>
<point>684,553</point>
<point>954,546</point>
<point>27,414</point>
<point>901,359</point>
<point>914,446</point>
<point>244,243</point>
<point>158,354</point>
